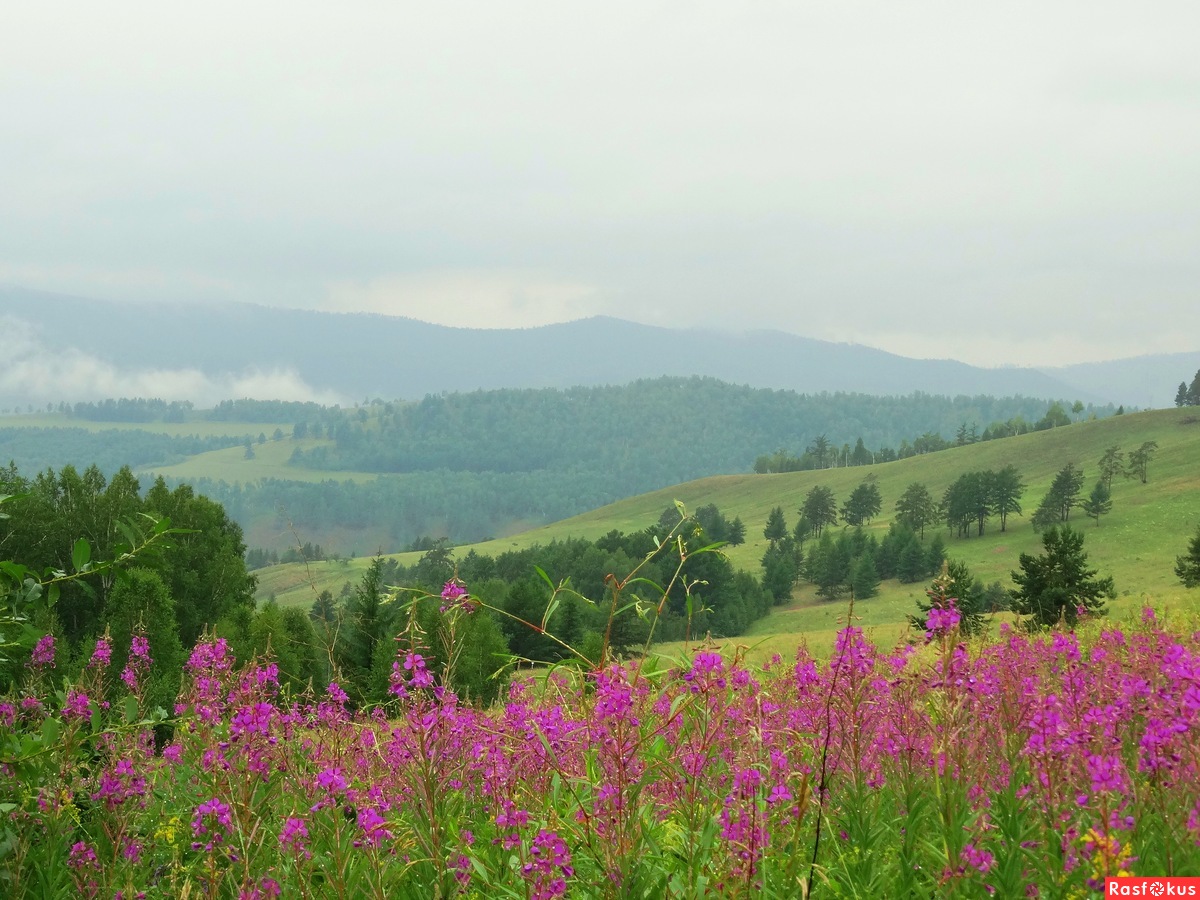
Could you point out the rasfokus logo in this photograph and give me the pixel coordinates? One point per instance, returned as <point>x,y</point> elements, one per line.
<point>1141,886</point>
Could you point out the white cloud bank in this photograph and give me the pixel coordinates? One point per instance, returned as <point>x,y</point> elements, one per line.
<point>32,374</point>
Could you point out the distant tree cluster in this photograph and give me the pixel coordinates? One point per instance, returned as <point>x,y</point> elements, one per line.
<point>820,454</point>
<point>1189,395</point>
<point>974,497</point>
<point>853,561</point>
<point>359,628</point>
<point>35,449</point>
<point>131,410</point>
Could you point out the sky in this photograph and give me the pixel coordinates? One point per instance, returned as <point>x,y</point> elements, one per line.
<point>1011,183</point>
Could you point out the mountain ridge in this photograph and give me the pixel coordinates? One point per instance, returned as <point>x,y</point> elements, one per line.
<point>355,355</point>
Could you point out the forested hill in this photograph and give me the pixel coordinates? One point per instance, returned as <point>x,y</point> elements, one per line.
<point>650,433</point>
<point>467,466</point>
<point>252,350</point>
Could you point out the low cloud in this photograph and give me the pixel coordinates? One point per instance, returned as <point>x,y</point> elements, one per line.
<point>32,374</point>
<point>498,299</point>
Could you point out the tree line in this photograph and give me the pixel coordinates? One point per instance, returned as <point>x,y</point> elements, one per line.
<point>822,454</point>
<point>1189,395</point>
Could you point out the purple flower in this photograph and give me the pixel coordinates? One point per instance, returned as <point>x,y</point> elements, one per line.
<point>942,619</point>
<point>82,856</point>
<point>373,826</point>
<point>43,652</point>
<point>336,694</point>
<point>455,595</point>
<point>212,822</point>
<point>294,835</point>
<point>102,655</point>
<point>77,705</point>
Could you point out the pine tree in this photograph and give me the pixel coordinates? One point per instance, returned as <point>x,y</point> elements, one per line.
<point>1111,464</point>
<point>1057,585</point>
<point>1139,460</point>
<point>1099,503</point>
<point>864,582</point>
<point>776,529</point>
<point>915,509</point>
<point>1187,567</point>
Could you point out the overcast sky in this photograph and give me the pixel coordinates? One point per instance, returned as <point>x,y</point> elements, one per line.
<point>1013,182</point>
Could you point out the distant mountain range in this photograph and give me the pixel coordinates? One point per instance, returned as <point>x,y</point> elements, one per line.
<point>71,348</point>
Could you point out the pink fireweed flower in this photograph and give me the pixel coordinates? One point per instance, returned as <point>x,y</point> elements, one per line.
<point>139,662</point>
<point>455,595</point>
<point>409,674</point>
<point>942,619</point>
<point>336,694</point>
<point>139,650</point>
<point>373,826</point>
<point>77,706</point>
<point>82,856</point>
<point>266,888</point>
<point>120,783</point>
<point>1106,773</point>
<point>102,655</point>
<point>293,837</point>
<point>977,858</point>
<point>43,653</point>
<point>211,824</point>
<point>549,866</point>
<point>707,672</point>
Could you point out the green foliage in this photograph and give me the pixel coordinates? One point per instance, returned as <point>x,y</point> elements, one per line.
<point>819,509</point>
<point>864,580</point>
<point>1189,395</point>
<point>1139,461</point>
<point>139,603</point>
<point>916,508</point>
<point>863,504</point>
<point>207,575</point>
<point>1187,567</point>
<point>1005,489</point>
<point>970,598</point>
<point>1112,463</point>
<point>1099,502</point>
<point>776,528</point>
<point>912,563</point>
<point>779,571</point>
<point>1057,585</point>
<point>1062,497</point>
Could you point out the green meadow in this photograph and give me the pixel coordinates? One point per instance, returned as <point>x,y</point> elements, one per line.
<point>1150,524</point>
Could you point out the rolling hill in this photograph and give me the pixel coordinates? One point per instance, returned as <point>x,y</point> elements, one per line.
<point>1149,526</point>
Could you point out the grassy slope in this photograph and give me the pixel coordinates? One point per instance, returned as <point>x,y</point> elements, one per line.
<point>1137,543</point>
<point>270,461</point>
<point>175,429</point>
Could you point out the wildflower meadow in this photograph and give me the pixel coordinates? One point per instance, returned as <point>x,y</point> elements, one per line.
<point>1028,765</point>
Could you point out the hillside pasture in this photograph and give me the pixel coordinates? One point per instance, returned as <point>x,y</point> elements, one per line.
<point>1136,543</point>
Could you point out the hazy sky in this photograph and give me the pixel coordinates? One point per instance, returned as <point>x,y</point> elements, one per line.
<point>1012,182</point>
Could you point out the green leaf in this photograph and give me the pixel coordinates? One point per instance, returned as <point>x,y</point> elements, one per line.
<point>50,732</point>
<point>81,555</point>
<point>545,577</point>
<point>131,709</point>
<point>550,608</point>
